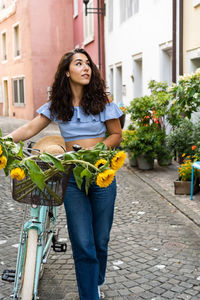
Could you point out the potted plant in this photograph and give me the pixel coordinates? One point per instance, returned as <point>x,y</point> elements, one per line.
<point>185,98</point>
<point>164,155</point>
<point>182,186</point>
<point>144,144</point>
<point>126,144</point>
<point>181,139</point>
<point>147,114</point>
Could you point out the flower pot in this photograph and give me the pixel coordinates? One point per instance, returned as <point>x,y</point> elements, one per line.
<point>145,163</point>
<point>132,162</point>
<point>164,161</point>
<point>184,187</point>
<point>132,159</point>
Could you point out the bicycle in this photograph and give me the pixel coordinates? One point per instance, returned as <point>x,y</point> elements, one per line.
<point>36,236</point>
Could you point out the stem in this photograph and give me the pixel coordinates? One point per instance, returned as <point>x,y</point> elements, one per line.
<point>82,162</point>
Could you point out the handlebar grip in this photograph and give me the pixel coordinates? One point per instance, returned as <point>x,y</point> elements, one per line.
<point>77,147</point>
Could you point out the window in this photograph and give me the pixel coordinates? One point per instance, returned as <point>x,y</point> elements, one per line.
<point>1,93</point>
<point>4,46</point>
<point>195,2</point>
<point>126,10</point>
<point>166,62</point>
<point>118,81</point>
<point>136,6</point>
<point>18,90</point>
<point>89,25</point>
<point>111,82</point>
<point>110,17</point>
<point>137,75</point>
<point>75,8</point>
<point>2,4</point>
<point>16,40</point>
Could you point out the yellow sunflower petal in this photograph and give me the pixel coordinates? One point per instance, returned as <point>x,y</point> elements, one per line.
<point>100,162</point>
<point>118,160</point>
<point>1,151</point>
<point>17,173</point>
<point>3,162</point>
<point>105,178</point>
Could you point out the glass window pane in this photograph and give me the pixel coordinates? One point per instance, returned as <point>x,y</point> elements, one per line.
<point>21,90</point>
<point>15,91</point>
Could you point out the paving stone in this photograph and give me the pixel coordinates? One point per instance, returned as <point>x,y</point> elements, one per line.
<point>159,249</point>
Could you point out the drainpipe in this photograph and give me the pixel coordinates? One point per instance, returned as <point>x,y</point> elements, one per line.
<point>174,41</point>
<point>180,37</point>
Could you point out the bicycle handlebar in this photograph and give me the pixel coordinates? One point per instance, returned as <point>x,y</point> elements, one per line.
<point>27,151</point>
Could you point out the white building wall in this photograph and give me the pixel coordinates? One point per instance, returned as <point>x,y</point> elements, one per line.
<point>142,37</point>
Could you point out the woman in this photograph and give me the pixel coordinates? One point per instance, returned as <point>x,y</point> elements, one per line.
<point>80,106</point>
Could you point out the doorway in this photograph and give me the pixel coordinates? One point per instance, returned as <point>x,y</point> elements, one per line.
<point>5,98</point>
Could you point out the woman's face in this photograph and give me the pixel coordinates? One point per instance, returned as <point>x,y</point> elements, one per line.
<point>79,70</point>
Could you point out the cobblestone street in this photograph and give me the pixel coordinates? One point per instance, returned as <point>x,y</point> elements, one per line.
<point>154,251</point>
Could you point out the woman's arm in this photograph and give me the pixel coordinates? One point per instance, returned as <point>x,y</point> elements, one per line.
<point>30,129</point>
<point>115,133</point>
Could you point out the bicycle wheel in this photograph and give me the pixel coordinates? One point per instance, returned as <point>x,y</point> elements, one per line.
<point>29,265</point>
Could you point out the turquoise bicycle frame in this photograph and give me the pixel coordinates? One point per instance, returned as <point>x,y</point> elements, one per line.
<point>37,221</point>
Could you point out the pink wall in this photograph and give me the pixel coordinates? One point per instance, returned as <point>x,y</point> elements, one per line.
<point>21,66</point>
<point>46,33</point>
<point>51,37</point>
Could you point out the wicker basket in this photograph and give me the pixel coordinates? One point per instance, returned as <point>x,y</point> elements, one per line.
<point>57,183</point>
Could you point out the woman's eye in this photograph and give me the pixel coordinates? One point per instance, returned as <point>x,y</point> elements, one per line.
<point>78,64</point>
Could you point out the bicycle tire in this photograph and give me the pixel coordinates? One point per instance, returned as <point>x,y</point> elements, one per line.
<point>29,265</point>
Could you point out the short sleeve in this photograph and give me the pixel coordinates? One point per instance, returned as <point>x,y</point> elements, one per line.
<point>111,111</point>
<point>44,110</point>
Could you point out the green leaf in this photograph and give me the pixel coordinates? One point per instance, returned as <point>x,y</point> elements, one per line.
<point>70,156</point>
<point>100,146</point>
<point>77,174</point>
<point>88,175</point>
<point>0,132</point>
<point>48,158</point>
<point>19,151</point>
<point>36,174</point>
<point>87,185</point>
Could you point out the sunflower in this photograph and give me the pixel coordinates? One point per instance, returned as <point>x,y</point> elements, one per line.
<point>17,173</point>
<point>1,151</point>
<point>101,162</point>
<point>118,160</point>
<point>3,161</point>
<point>105,178</point>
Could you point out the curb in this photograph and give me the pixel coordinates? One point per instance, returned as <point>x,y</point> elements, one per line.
<point>193,216</point>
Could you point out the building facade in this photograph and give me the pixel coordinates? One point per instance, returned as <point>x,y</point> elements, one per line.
<point>89,30</point>
<point>34,35</point>
<point>191,36</point>
<point>138,39</point>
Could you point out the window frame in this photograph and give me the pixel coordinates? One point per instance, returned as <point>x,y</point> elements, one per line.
<point>4,55</point>
<point>88,23</point>
<point>18,78</point>
<point>195,3</point>
<point>16,55</point>
<point>75,9</point>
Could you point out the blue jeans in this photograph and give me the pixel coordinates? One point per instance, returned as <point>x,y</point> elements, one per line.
<point>89,220</point>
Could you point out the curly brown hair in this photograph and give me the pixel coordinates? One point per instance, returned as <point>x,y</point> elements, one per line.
<point>94,96</point>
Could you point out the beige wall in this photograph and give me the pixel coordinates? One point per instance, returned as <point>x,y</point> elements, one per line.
<point>191,33</point>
